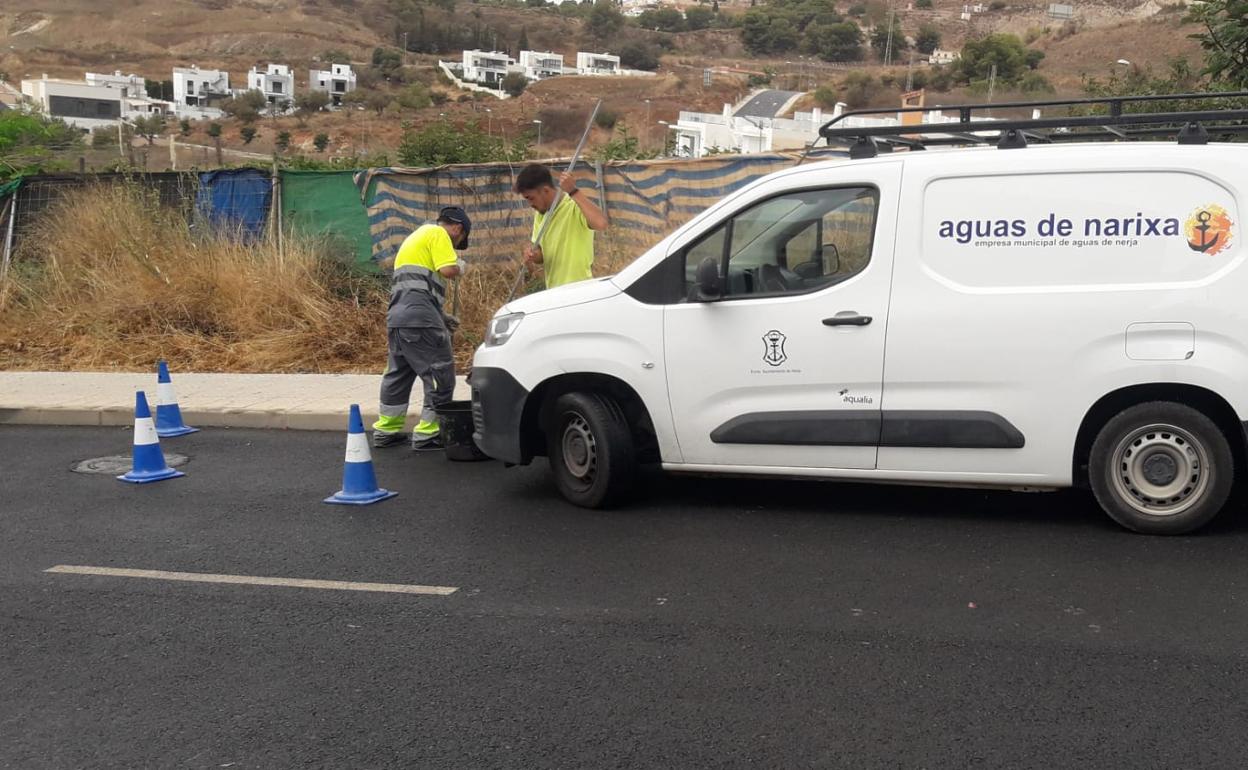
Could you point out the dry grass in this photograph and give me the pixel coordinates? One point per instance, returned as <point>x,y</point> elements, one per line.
<point>110,281</point>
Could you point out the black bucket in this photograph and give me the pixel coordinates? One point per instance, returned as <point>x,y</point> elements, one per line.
<point>455,421</point>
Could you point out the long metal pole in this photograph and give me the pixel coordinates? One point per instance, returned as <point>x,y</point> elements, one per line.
<point>8,237</point>
<point>550,212</point>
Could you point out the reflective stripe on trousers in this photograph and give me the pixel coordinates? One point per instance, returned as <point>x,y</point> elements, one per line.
<point>423,353</point>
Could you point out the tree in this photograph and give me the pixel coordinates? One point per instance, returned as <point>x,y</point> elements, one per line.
<point>387,61</point>
<point>1224,39</point>
<point>149,126</point>
<point>246,107</point>
<point>638,56</point>
<point>248,133</point>
<point>309,102</point>
<point>860,90</point>
<point>840,42</point>
<point>321,142</point>
<point>754,27</point>
<point>928,39</point>
<point>699,17</point>
<point>335,56</point>
<point>282,142</point>
<point>184,127</point>
<point>923,4</point>
<point>523,43</point>
<point>514,84</point>
<point>604,20</point>
<point>441,143</point>
<point>214,130</point>
<point>29,143</point>
<point>782,35</point>
<point>826,97</point>
<point>662,20</point>
<point>1006,52</point>
<point>414,97</point>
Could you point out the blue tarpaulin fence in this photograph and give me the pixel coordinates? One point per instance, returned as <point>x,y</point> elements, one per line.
<point>235,201</point>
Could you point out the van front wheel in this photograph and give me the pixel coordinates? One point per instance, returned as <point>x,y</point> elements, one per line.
<point>591,449</point>
<point>1161,468</point>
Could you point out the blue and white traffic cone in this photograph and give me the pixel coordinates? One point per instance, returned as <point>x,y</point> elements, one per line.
<point>359,482</point>
<point>168,415</point>
<point>149,461</point>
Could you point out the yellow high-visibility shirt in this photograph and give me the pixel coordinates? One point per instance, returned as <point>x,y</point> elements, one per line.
<point>430,247</point>
<point>567,245</point>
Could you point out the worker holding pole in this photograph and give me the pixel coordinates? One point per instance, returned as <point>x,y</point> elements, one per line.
<point>566,249</point>
<point>565,223</point>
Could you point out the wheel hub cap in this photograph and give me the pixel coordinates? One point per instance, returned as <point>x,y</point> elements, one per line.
<point>580,449</point>
<point>1160,470</point>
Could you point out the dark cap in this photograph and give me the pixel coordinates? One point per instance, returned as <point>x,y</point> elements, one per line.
<point>460,217</point>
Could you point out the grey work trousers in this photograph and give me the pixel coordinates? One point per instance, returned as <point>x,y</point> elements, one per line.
<point>423,353</point>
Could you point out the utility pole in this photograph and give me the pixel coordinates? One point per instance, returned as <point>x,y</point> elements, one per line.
<point>405,49</point>
<point>992,82</point>
<point>121,138</point>
<point>888,45</point>
<point>910,74</point>
<point>173,151</point>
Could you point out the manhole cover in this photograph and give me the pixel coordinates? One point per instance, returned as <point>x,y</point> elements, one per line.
<point>115,465</point>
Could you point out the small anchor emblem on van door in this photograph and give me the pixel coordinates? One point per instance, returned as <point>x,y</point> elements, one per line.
<point>1204,243</point>
<point>773,348</point>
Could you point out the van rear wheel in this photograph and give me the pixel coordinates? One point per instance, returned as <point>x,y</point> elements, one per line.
<point>591,449</point>
<point>1161,468</point>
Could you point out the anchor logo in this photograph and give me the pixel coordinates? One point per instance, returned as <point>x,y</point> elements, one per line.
<point>1208,230</point>
<point>773,348</point>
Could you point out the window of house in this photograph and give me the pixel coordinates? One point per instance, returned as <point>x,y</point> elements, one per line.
<point>790,244</point>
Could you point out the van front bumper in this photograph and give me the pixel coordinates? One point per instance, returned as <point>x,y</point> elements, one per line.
<point>497,407</point>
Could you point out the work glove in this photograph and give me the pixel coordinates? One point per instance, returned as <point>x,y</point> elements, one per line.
<point>463,265</point>
<point>452,323</point>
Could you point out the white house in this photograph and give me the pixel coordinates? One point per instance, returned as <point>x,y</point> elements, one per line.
<point>597,63</point>
<point>698,133</point>
<point>539,65</point>
<point>337,81</point>
<point>135,85</point>
<point>489,67</point>
<point>196,88</point>
<point>277,83</point>
<point>942,57</point>
<point>91,105</point>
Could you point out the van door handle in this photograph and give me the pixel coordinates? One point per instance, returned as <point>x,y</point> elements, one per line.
<point>849,318</point>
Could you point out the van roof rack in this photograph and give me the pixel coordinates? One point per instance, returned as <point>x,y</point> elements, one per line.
<point>1117,122</point>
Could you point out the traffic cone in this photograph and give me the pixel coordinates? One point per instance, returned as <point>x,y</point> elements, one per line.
<point>149,461</point>
<point>168,415</point>
<point>359,483</point>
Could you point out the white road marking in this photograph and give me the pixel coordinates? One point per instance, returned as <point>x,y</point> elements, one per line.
<point>200,577</point>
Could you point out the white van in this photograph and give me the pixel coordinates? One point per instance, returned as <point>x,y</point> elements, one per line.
<point>1057,316</point>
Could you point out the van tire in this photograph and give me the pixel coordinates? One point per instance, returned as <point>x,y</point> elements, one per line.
<point>1161,468</point>
<point>591,449</point>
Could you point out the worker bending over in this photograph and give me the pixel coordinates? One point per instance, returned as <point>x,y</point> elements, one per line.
<point>567,248</point>
<point>419,342</point>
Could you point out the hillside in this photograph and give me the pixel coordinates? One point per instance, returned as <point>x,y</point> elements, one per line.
<point>65,37</point>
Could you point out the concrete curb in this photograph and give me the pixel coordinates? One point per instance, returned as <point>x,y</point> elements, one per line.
<point>281,401</point>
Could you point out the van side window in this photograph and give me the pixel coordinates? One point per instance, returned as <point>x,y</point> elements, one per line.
<point>791,244</point>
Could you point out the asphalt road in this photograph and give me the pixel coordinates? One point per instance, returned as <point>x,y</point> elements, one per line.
<point>766,104</point>
<point>709,624</point>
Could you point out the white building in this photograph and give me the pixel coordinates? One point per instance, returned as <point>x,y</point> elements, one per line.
<point>277,83</point>
<point>539,65</point>
<point>942,57</point>
<point>698,133</point>
<point>199,89</point>
<point>597,63</point>
<point>337,81</point>
<point>90,105</point>
<point>135,85</point>
<point>489,67</point>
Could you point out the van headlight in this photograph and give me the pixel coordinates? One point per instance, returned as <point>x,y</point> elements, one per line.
<point>501,329</point>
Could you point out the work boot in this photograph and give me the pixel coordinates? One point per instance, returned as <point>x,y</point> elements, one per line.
<point>382,439</point>
<point>427,443</point>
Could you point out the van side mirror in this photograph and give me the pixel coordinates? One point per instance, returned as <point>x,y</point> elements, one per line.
<point>707,288</point>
